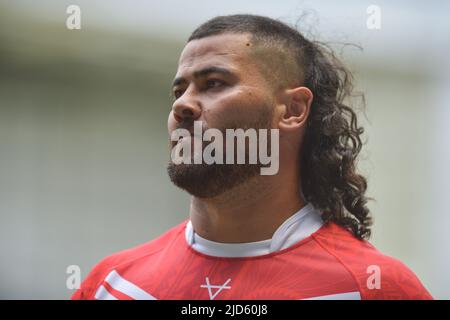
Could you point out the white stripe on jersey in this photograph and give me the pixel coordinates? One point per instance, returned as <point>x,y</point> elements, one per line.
<point>103,294</point>
<point>126,287</point>
<point>339,296</point>
<point>122,285</point>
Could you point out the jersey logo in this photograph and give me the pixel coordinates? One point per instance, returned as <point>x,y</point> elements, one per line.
<point>219,288</point>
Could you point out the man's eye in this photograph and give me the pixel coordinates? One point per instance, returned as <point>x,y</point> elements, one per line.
<point>177,93</point>
<point>214,83</point>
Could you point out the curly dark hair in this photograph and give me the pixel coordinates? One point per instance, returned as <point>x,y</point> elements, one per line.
<point>332,139</point>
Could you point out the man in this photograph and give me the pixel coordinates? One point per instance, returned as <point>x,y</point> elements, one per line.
<point>295,234</point>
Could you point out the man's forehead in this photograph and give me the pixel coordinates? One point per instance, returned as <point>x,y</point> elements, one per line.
<point>224,48</point>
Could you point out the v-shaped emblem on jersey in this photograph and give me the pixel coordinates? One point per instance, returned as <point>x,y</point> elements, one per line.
<point>219,288</point>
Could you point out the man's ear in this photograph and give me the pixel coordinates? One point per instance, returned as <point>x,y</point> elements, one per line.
<point>297,103</point>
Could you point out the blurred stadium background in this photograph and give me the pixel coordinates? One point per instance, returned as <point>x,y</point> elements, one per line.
<point>83,113</point>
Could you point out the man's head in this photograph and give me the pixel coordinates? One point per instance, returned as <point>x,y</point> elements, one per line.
<point>246,71</point>
<point>228,79</point>
<point>218,83</point>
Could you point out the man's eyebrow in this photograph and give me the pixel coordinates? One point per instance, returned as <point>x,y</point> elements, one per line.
<point>202,73</point>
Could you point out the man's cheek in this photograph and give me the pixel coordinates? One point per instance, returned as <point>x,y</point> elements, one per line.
<point>230,113</point>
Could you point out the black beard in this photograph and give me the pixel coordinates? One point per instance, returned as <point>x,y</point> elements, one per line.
<point>207,181</point>
<point>211,180</point>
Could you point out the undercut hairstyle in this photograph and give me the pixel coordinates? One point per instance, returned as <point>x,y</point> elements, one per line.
<point>332,138</point>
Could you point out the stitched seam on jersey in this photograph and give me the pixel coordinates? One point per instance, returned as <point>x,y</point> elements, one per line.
<point>342,263</point>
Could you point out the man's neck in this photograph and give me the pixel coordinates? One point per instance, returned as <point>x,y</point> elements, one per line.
<point>249,212</point>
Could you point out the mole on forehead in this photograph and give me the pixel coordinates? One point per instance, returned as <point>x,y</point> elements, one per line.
<point>222,44</point>
<point>222,56</point>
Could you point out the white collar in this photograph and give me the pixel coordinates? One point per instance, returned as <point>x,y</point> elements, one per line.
<point>296,228</point>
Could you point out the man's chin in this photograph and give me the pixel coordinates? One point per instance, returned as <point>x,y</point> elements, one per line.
<point>208,181</point>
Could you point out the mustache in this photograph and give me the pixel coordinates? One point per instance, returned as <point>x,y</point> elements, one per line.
<point>188,125</point>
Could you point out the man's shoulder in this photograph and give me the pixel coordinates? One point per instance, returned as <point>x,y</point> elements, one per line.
<point>151,247</point>
<point>378,275</point>
<point>126,257</point>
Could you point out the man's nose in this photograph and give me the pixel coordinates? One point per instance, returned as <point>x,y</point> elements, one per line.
<point>186,108</point>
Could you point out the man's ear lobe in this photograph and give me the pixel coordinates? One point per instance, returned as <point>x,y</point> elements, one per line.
<point>297,105</point>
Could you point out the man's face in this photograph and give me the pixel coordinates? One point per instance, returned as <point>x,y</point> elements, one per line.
<point>219,83</point>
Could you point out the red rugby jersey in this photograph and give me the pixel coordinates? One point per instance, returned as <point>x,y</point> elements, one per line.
<point>330,263</point>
